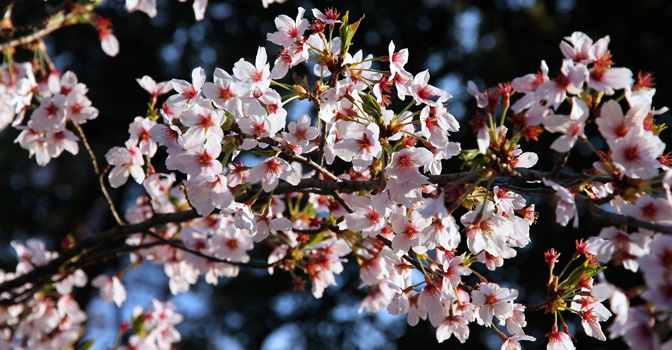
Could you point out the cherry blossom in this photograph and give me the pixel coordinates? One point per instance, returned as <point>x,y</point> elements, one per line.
<point>397,62</point>
<point>566,208</point>
<point>614,125</point>
<point>571,80</point>
<point>300,133</point>
<point>200,160</point>
<point>605,78</point>
<point>423,93</point>
<point>579,47</point>
<point>636,153</point>
<point>126,161</point>
<point>494,301</point>
<point>481,100</point>
<point>256,77</point>
<point>152,87</point>
<point>486,230</point>
<point>370,215</point>
<point>78,108</point>
<point>389,204</point>
<point>625,246</point>
<point>108,42</point>
<point>359,145</point>
<point>288,30</point>
<point>559,340</point>
<point>405,163</point>
<point>330,16</point>
<point>140,133</point>
<point>571,126</point>
<point>111,289</point>
<point>223,90</point>
<point>453,325</point>
<point>272,169</point>
<point>146,6</point>
<point>186,92</point>
<point>50,114</point>
<point>204,124</point>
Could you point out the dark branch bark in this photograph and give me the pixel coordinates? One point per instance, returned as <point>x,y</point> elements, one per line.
<point>615,218</point>
<point>54,266</point>
<point>90,243</point>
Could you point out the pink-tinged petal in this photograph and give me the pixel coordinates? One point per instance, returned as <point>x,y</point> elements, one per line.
<point>198,77</point>
<point>636,153</point>
<point>199,9</point>
<point>110,45</point>
<point>576,75</point>
<point>526,160</point>
<point>617,79</point>
<point>119,292</point>
<point>118,156</point>
<point>667,185</point>
<point>291,176</point>
<point>563,143</point>
<point>483,140</point>
<point>111,289</point>
<point>118,176</point>
<point>580,112</point>
<point>481,100</point>
<point>243,70</point>
<point>137,173</point>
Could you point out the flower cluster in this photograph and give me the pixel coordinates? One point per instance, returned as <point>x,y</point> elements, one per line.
<point>206,125</point>
<point>62,100</point>
<point>392,211</point>
<point>154,328</point>
<point>51,319</point>
<point>627,175</point>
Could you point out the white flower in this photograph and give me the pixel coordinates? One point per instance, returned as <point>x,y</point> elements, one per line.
<point>636,154</point>
<point>111,289</point>
<point>127,161</point>
<point>272,169</point>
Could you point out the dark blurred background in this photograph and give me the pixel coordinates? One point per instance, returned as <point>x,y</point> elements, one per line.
<point>485,41</point>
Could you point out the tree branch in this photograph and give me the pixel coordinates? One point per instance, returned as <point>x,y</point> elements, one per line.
<point>56,21</point>
<point>323,186</point>
<point>289,153</point>
<point>614,218</point>
<point>177,245</point>
<point>90,242</point>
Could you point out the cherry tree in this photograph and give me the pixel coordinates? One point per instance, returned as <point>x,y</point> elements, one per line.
<point>418,230</point>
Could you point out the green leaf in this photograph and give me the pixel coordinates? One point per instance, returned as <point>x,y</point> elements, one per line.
<point>228,122</point>
<point>472,158</point>
<point>138,324</point>
<point>316,239</point>
<point>347,32</point>
<point>265,153</point>
<point>575,277</point>
<point>302,82</point>
<point>86,345</point>
<point>372,108</point>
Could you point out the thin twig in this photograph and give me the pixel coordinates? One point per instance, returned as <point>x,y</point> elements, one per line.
<point>412,261</point>
<point>559,165</point>
<point>94,160</point>
<point>340,201</point>
<point>177,245</point>
<point>101,175</point>
<point>91,242</point>
<point>289,153</point>
<point>58,20</point>
<point>615,218</point>
<point>545,191</point>
<point>110,203</point>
